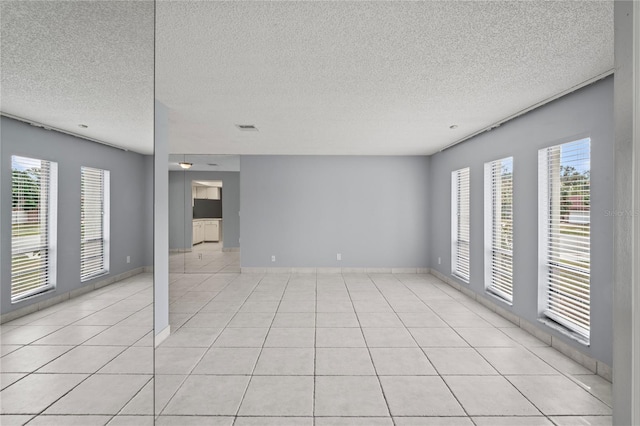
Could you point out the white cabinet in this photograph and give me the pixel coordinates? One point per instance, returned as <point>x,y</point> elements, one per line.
<point>206,192</point>
<point>211,230</point>
<point>198,232</point>
<point>206,230</point>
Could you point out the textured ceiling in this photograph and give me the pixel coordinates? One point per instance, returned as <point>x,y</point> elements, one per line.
<point>365,77</point>
<point>65,63</point>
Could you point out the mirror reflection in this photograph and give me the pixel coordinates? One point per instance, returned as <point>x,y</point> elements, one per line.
<point>76,300</point>
<point>204,213</point>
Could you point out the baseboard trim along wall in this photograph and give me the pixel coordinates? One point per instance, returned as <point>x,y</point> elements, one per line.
<point>327,270</point>
<point>597,367</point>
<point>10,316</point>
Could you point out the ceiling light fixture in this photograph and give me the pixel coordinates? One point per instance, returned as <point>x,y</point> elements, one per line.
<point>185,165</point>
<point>453,126</point>
<point>82,126</point>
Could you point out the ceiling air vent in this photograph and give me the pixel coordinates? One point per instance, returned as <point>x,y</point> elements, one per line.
<point>247,127</point>
<point>211,164</point>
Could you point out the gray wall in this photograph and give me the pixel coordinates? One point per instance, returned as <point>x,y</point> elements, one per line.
<point>306,209</point>
<point>588,112</point>
<point>130,208</point>
<point>181,211</point>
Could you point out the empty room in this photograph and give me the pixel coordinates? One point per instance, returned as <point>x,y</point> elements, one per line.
<point>319,213</point>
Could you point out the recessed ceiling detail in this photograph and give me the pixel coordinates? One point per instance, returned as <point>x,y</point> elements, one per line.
<point>247,127</point>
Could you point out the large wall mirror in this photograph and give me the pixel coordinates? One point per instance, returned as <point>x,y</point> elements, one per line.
<point>76,209</point>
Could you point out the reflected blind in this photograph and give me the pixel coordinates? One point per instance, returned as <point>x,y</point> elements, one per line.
<point>565,205</point>
<point>460,220</point>
<point>499,178</point>
<point>94,183</point>
<point>33,226</point>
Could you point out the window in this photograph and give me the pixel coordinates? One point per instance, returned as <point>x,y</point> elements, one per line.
<point>94,227</point>
<point>460,223</point>
<point>33,226</point>
<point>564,243</point>
<point>498,220</point>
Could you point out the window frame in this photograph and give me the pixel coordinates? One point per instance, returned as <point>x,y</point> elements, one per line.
<point>498,280</point>
<point>88,273</point>
<point>460,182</point>
<point>49,220</point>
<point>551,267</point>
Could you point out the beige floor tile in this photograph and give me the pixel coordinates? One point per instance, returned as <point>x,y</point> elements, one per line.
<point>458,361</point>
<point>438,338</point>
<point>516,360</point>
<point>278,396</point>
<point>337,319</point>
<point>485,337</point>
<point>401,362</point>
<point>388,338</point>
<point>339,338</point>
<point>252,319</point>
<point>343,362</point>
<point>349,396</point>
<point>85,420</point>
<point>29,358</point>
<point>232,361</point>
<point>194,421</point>
<point>421,319</point>
<point>285,361</point>
<point>222,397</point>
<point>273,421</point>
<point>433,421</point>
<point>353,421</point>
<point>290,338</point>
<point>90,397</point>
<point>177,360</point>
<point>192,338</point>
<point>512,421</point>
<point>379,319</point>
<point>419,396</point>
<point>83,359</point>
<point>19,398</point>
<point>133,360</point>
<point>489,396</point>
<point>241,337</point>
<point>294,320</point>
<point>71,335</point>
<point>557,395</point>
<point>582,420</point>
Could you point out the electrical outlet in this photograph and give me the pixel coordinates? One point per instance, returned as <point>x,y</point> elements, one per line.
<point>128,259</point>
<point>439,260</point>
<point>339,256</point>
<point>273,258</point>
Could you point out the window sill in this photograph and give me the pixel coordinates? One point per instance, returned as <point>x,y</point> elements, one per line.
<point>565,331</point>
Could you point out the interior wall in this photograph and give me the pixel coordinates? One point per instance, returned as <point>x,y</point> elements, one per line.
<point>181,211</point>
<point>587,112</point>
<point>130,206</point>
<point>306,209</point>
<point>161,223</point>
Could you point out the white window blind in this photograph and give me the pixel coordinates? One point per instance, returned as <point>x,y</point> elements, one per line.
<point>565,246</point>
<point>94,227</point>
<point>499,228</point>
<point>460,223</point>
<point>33,226</point>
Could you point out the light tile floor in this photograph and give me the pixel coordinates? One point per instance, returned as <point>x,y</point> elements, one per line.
<point>86,361</point>
<point>307,349</point>
<point>356,349</point>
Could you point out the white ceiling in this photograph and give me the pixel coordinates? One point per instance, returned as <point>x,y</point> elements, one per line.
<point>69,63</point>
<point>205,162</point>
<point>365,77</point>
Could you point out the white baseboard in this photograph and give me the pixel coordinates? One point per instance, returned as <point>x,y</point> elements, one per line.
<point>162,336</point>
<point>332,270</point>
